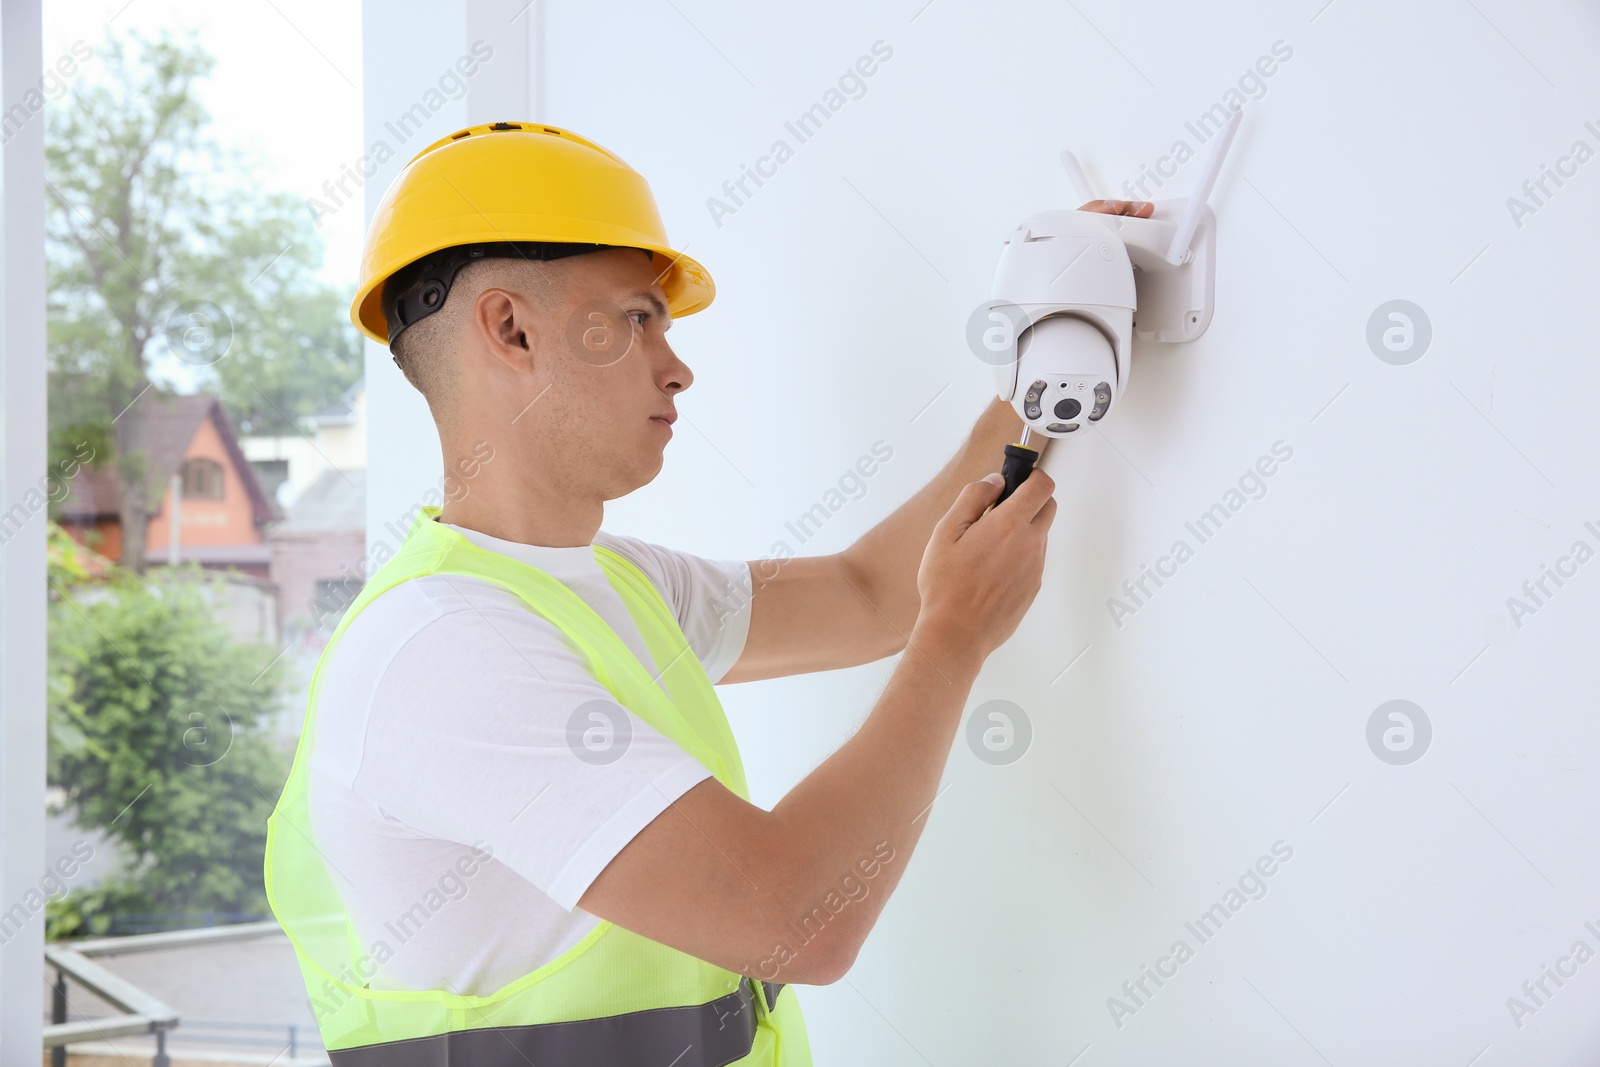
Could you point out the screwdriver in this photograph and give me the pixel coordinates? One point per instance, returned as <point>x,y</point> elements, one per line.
<point>1018,465</point>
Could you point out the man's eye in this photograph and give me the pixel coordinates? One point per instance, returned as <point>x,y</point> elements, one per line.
<point>639,316</point>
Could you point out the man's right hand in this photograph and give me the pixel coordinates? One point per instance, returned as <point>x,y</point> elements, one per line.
<point>980,572</point>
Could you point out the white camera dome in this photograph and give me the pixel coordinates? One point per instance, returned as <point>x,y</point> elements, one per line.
<point>1066,375</point>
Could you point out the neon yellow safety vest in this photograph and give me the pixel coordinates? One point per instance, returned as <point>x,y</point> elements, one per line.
<point>615,998</point>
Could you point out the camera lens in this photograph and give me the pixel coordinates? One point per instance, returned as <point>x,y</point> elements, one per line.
<point>1068,408</point>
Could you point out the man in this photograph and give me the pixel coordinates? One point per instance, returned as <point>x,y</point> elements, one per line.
<point>517,829</point>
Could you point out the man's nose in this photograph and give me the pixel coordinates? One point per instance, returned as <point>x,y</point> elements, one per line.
<point>676,375</point>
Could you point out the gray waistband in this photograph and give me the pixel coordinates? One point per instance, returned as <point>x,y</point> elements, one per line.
<point>699,1035</point>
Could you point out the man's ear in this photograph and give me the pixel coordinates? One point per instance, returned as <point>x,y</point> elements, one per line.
<point>502,320</point>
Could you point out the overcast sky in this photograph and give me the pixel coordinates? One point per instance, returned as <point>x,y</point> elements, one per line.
<point>286,88</point>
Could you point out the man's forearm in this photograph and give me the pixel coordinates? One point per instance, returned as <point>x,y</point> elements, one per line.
<point>863,809</point>
<point>886,557</point>
<point>790,894</point>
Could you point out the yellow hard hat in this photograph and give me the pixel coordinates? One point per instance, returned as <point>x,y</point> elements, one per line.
<point>512,189</point>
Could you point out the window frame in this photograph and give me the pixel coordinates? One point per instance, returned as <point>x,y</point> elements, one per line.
<point>202,478</point>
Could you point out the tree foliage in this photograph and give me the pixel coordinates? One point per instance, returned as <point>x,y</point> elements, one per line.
<point>156,738</point>
<point>169,264</point>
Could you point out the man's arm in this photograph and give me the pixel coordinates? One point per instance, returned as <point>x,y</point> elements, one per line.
<point>789,895</point>
<point>819,613</point>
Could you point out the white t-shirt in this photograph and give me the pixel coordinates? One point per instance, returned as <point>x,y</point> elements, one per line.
<point>443,723</point>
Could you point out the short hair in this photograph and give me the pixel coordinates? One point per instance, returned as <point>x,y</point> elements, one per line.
<point>426,350</point>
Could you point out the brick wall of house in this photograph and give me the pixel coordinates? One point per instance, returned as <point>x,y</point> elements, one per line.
<point>299,561</point>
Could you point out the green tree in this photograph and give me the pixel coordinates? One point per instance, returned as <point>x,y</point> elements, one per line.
<point>156,739</point>
<point>164,255</point>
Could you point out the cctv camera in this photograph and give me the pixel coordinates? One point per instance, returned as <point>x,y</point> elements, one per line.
<point>1074,288</point>
<point>1067,372</point>
<point>1065,288</point>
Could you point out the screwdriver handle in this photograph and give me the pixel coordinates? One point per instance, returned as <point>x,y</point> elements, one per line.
<point>1018,465</point>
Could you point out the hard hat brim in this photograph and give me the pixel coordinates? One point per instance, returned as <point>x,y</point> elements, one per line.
<point>687,283</point>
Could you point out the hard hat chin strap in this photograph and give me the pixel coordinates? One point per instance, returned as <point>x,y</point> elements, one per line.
<point>418,289</point>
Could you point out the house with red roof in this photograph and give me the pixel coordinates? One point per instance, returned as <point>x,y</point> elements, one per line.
<point>213,510</point>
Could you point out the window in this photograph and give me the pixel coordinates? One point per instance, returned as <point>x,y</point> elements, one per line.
<point>271,473</point>
<point>202,479</point>
<point>224,215</point>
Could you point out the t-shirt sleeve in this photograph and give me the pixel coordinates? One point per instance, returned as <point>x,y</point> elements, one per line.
<point>709,597</point>
<point>487,727</point>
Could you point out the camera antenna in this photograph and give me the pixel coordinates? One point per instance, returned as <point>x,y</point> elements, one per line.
<point>1079,180</point>
<point>1178,251</point>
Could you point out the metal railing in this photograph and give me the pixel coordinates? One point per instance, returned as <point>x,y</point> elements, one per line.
<point>141,1013</point>
<point>126,924</point>
<point>285,1039</point>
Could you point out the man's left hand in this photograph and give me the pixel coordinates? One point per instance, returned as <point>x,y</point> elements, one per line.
<point>1139,209</point>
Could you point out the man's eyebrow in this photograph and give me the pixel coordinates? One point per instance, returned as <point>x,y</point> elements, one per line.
<point>653,299</point>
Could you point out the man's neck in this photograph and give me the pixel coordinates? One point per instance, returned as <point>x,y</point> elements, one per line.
<point>524,520</point>
<point>504,500</point>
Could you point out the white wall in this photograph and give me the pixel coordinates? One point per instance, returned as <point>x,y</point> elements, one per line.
<point>1230,711</point>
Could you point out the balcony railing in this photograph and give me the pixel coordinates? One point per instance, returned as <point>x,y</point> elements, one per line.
<point>143,1014</point>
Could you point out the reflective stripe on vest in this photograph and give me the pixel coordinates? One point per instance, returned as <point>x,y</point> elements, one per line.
<point>711,1035</point>
<point>613,998</point>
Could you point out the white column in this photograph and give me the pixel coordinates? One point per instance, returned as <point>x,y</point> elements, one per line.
<point>409,45</point>
<point>22,527</point>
